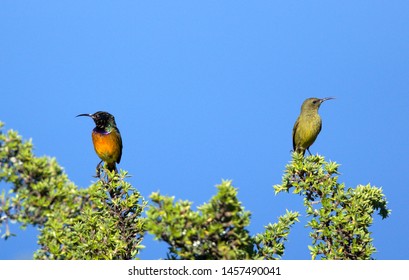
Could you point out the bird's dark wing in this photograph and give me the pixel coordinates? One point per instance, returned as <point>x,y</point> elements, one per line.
<point>120,146</point>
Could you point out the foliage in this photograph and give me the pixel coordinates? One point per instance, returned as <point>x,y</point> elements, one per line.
<point>216,231</point>
<point>271,244</point>
<point>39,184</point>
<point>108,227</point>
<point>104,221</point>
<point>101,222</point>
<point>340,218</point>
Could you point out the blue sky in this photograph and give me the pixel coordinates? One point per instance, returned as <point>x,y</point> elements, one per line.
<point>209,90</point>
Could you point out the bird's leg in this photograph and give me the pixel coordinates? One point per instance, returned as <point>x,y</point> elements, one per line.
<point>309,151</point>
<point>98,175</point>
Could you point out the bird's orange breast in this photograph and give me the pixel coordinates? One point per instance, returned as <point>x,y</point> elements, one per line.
<point>108,146</point>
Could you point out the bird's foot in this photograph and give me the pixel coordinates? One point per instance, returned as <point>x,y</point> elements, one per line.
<point>98,170</point>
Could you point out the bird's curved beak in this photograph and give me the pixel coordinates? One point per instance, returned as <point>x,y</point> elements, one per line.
<point>84,115</point>
<point>327,98</point>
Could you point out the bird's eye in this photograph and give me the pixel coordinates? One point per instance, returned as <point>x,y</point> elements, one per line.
<point>315,101</point>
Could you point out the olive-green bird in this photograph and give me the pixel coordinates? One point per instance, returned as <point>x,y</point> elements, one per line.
<point>308,125</point>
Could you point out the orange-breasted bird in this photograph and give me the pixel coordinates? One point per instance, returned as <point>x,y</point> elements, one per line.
<point>308,125</point>
<point>106,139</point>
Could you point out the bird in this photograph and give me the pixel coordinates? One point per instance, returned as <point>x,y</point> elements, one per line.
<point>308,125</point>
<point>106,139</point>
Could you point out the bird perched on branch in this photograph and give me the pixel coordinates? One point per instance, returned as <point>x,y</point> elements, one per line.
<point>308,125</point>
<point>106,139</point>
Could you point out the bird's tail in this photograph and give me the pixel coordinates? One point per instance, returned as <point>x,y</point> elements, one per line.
<point>111,166</point>
<point>300,150</point>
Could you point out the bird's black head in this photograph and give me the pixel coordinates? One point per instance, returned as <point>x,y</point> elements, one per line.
<point>102,119</point>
